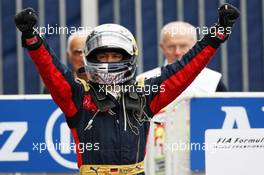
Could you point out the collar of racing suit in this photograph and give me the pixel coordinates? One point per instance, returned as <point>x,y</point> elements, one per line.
<point>106,99</point>
<point>131,103</point>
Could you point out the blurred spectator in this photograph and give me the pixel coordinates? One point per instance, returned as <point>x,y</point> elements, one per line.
<point>76,43</point>
<point>176,39</point>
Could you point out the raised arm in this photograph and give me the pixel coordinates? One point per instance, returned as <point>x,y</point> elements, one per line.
<point>175,78</point>
<point>57,77</point>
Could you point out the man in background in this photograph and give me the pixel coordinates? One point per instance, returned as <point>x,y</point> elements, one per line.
<point>75,54</point>
<point>175,44</point>
<point>176,39</point>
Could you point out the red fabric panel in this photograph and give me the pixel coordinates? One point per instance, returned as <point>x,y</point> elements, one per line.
<point>77,143</point>
<point>59,88</point>
<point>178,82</point>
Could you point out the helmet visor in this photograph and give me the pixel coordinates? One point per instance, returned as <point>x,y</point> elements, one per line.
<point>108,40</point>
<point>111,73</point>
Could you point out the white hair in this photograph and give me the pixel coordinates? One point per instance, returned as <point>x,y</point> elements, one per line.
<point>79,33</point>
<point>178,27</point>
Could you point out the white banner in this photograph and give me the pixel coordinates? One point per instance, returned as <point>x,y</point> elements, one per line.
<point>234,152</point>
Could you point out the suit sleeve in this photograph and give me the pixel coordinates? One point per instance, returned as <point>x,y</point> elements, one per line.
<point>59,80</point>
<point>175,78</point>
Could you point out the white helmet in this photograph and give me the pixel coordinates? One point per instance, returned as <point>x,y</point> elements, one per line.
<point>111,37</point>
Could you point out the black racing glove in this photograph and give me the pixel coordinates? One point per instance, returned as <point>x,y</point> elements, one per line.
<point>227,16</point>
<point>25,22</point>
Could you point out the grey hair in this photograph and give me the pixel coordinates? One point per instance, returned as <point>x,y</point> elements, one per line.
<point>178,27</point>
<point>79,33</point>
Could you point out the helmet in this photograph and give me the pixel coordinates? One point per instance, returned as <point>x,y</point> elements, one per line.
<point>110,37</point>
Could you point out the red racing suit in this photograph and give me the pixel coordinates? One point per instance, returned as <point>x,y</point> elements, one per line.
<point>117,146</point>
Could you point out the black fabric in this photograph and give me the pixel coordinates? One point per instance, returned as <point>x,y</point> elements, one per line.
<point>34,46</point>
<point>213,41</point>
<point>45,90</point>
<point>221,87</point>
<point>26,20</point>
<point>227,15</point>
<point>103,101</point>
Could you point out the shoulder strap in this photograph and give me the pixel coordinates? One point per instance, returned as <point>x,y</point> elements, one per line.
<point>141,81</point>
<point>85,84</point>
